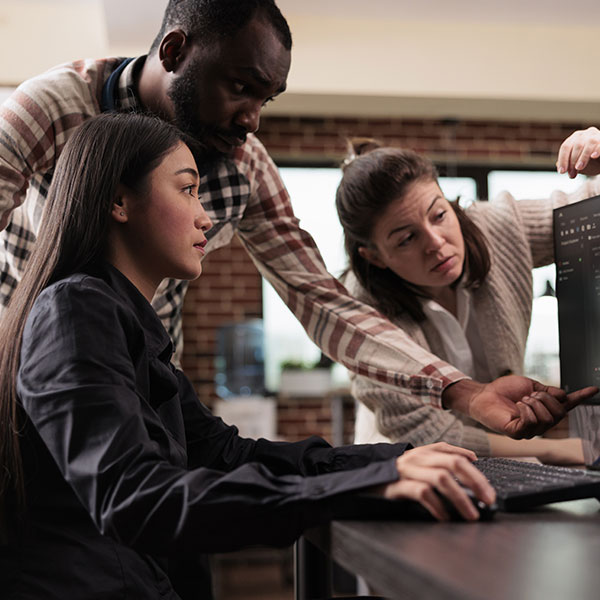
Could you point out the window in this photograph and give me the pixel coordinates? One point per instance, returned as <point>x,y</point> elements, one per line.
<point>313,198</point>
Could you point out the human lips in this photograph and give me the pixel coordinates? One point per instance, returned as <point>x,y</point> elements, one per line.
<point>445,264</point>
<point>231,141</point>
<point>200,246</point>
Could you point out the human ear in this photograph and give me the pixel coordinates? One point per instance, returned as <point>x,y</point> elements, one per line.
<point>119,206</point>
<point>172,50</point>
<point>371,255</point>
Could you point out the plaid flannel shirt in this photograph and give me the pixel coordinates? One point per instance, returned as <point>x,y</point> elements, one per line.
<point>243,195</point>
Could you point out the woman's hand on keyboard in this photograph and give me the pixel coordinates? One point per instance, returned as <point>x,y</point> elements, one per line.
<point>427,471</point>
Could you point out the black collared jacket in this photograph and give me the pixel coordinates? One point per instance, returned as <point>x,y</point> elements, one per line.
<point>125,467</point>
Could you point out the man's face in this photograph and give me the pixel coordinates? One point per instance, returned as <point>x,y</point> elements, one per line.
<point>218,98</point>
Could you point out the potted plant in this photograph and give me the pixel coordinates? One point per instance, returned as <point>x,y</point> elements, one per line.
<point>299,378</point>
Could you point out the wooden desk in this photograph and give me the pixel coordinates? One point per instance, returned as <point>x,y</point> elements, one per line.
<point>551,553</point>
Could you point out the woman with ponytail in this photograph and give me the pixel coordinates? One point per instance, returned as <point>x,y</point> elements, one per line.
<point>459,283</point>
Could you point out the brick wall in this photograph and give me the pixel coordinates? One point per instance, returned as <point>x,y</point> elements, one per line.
<point>466,142</point>
<point>230,287</point>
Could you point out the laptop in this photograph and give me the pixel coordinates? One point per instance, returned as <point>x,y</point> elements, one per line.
<point>577,258</point>
<point>522,485</point>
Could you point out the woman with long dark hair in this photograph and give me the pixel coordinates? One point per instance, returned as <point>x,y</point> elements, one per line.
<point>459,283</point>
<point>111,467</point>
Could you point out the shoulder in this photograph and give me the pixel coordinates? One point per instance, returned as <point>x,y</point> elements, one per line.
<point>81,324</point>
<point>502,207</point>
<point>85,72</point>
<point>499,216</point>
<point>42,113</point>
<point>67,89</point>
<point>78,330</point>
<point>79,303</point>
<point>78,284</point>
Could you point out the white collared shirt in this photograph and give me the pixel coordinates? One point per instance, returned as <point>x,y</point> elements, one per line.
<point>460,335</point>
<point>462,348</point>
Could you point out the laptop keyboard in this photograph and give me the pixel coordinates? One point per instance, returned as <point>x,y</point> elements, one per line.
<point>521,485</point>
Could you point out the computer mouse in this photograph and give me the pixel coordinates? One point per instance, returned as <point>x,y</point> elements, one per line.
<point>371,507</point>
<point>486,511</point>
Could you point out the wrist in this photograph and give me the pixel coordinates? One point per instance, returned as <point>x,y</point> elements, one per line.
<point>457,396</point>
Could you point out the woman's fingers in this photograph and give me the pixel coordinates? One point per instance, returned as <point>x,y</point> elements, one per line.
<point>434,462</point>
<point>419,491</point>
<point>446,470</point>
<point>428,488</point>
<point>447,485</point>
<point>450,449</point>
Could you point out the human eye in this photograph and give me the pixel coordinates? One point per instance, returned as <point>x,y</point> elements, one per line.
<point>439,216</point>
<point>270,99</point>
<point>406,240</point>
<point>239,86</point>
<point>191,190</point>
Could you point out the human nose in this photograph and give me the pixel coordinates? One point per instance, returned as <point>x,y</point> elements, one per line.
<point>249,116</point>
<point>435,240</point>
<point>202,220</point>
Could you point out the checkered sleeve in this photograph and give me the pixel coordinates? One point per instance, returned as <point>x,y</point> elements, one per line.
<point>347,330</point>
<point>35,122</point>
<point>20,152</point>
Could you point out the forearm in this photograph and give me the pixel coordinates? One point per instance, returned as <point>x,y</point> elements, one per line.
<point>315,457</point>
<point>214,444</point>
<point>213,512</point>
<point>563,451</point>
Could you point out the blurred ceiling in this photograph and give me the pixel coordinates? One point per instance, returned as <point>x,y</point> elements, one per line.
<point>136,21</point>
<point>464,11</point>
<point>527,59</point>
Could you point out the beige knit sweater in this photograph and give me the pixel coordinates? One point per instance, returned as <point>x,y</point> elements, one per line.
<point>519,235</point>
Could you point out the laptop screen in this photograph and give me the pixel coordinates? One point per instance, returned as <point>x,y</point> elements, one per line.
<point>577,257</point>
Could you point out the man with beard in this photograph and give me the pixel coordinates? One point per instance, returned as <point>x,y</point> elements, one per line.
<point>212,67</point>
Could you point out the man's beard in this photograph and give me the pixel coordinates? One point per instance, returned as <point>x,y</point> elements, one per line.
<point>184,98</point>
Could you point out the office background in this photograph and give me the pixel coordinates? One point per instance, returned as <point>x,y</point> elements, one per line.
<point>487,89</point>
<point>482,88</point>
